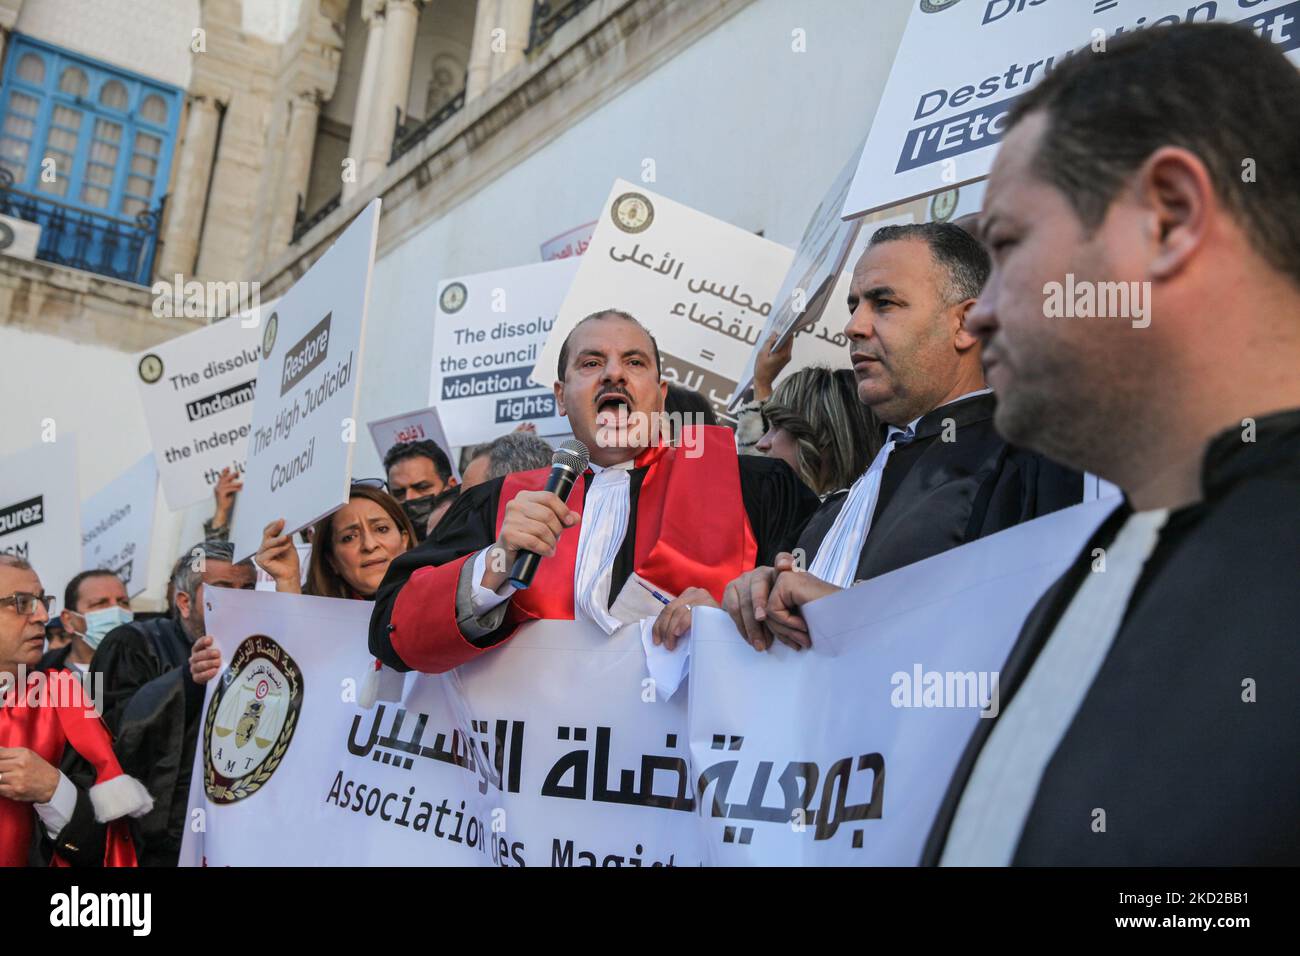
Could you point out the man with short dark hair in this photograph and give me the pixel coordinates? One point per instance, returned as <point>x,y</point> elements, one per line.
<point>417,469</point>
<point>944,475</point>
<point>644,515</point>
<point>94,603</point>
<point>1149,713</point>
<point>152,702</point>
<point>417,472</point>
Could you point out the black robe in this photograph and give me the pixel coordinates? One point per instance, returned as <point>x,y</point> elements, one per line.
<point>153,709</point>
<point>81,841</point>
<point>775,500</point>
<point>1188,772</point>
<point>936,495</point>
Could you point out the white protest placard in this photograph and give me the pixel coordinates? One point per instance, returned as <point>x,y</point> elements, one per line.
<point>554,754</point>
<point>704,288</point>
<point>962,65</point>
<point>40,511</point>
<point>304,427</point>
<point>197,390</point>
<point>487,335</point>
<point>814,286</point>
<point>422,425</point>
<point>840,755</point>
<point>117,524</point>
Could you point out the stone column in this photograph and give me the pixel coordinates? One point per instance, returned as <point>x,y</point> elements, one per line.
<point>193,173</point>
<point>492,57</point>
<point>392,80</point>
<point>372,15</point>
<point>304,111</point>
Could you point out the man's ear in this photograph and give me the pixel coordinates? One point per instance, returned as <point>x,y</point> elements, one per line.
<point>183,605</point>
<point>1175,190</point>
<point>559,399</point>
<point>964,339</point>
<point>66,617</point>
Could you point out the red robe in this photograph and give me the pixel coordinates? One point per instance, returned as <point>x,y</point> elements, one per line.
<point>51,715</point>
<point>692,530</point>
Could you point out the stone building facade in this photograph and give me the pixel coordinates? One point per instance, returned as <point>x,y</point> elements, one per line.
<point>486,126</point>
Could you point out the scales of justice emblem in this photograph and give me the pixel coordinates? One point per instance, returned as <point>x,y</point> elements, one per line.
<point>250,720</point>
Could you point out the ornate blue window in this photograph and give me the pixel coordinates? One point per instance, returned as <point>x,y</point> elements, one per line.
<point>85,150</point>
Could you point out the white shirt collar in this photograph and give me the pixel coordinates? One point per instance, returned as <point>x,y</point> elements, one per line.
<point>597,469</point>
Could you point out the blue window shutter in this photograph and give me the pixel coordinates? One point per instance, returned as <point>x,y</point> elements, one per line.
<point>118,245</point>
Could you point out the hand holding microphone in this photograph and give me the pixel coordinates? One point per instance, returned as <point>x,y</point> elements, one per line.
<point>534,521</point>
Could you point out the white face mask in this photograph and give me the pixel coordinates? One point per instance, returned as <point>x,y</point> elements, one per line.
<point>99,623</point>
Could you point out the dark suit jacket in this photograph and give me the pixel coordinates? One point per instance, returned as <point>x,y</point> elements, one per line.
<point>938,494</point>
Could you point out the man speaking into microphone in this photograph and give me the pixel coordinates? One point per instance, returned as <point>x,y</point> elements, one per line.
<point>649,521</point>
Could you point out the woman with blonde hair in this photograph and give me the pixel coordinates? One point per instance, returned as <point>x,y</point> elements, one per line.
<point>815,422</point>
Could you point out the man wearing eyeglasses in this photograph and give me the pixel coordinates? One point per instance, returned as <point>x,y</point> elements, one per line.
<point>46,720</point>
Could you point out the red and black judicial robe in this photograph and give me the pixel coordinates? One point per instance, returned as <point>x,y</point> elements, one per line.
<point>55,719</point>
<point>695,521</point>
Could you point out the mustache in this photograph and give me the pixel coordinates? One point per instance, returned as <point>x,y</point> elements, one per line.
<point>612,392</point>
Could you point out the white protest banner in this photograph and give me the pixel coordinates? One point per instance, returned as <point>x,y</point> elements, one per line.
<point>39,511</point>
<point>424,425</point>
<point>198,391</point>
<point>840,755</point>
<point>567,244</point>
<point>117,522</point>
<point>814,282</point>
<point>703,287</point>
<point>962,65</point>
<point>487,333</point>
<point>554,754</point>
<point>304,416</point>
<point>558,750</point>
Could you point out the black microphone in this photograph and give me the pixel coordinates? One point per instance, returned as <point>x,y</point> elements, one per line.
<point>567,464</point>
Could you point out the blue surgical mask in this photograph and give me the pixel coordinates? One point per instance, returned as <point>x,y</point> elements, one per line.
<point>99,623</point>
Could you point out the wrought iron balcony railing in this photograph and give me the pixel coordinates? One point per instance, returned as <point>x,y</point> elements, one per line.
<point>81,239</point>
<point>302,223</point>
<point>406,136</point>
<point>549,17</point>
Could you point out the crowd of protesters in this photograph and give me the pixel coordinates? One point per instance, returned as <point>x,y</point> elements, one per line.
<point>960,410</point>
